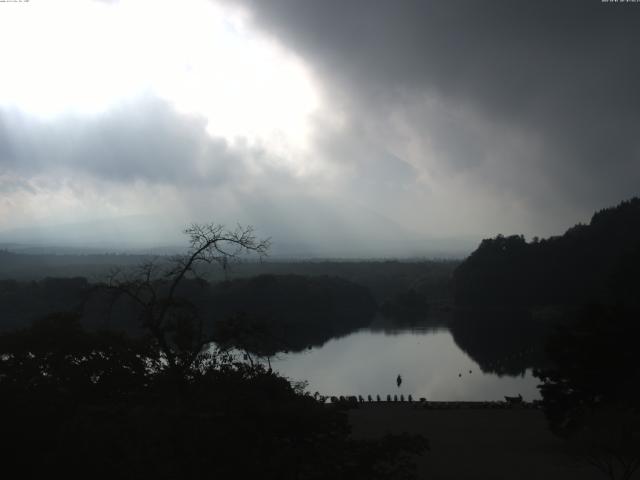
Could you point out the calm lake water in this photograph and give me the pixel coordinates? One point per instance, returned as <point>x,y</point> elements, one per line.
<point>367,362</point>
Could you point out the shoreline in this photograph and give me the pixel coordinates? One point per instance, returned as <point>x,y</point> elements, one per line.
<point>354,402</point>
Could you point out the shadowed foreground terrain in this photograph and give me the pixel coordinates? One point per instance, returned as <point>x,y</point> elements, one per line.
<point>476,443</point>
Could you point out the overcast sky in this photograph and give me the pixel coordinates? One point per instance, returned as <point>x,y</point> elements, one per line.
<point>337,127</point>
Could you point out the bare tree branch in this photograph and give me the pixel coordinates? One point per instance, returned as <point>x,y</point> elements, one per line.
<point>152,287</point>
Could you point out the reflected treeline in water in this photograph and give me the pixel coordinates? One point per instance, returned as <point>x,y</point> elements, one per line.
<point>431,365</point>
<point>502,341</point>
<point>394,326</point>
<point>406,306</point>
<point>266,314</point>
<point>76,401</point>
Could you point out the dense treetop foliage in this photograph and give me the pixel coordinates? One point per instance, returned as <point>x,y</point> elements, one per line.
<point>591,387</point>
<point>163,403</point>
<point>298,311</point>
<point>590,384</point>
<point>512,293</point>
<point>564,270</point>
<point>406,307</point>
<point>80,404</point>
<point>290,312</point>
<point>595,364</point>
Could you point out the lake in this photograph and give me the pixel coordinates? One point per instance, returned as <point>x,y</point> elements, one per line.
<point>368,361</point>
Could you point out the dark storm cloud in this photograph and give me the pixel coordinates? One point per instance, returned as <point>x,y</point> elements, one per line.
<point>144,140</point>
<point>552,85</point>
<point>434,118</point>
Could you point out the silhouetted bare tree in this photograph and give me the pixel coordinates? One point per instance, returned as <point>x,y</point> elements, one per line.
<point>74,401</point>
<point>153,287</point>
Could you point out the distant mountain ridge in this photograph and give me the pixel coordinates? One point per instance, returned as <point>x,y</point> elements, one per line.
<point>321,235</point>
<point>129,234</point>
<point>587,263</point>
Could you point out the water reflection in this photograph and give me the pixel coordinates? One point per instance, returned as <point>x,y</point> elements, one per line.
<point>368,361</point>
